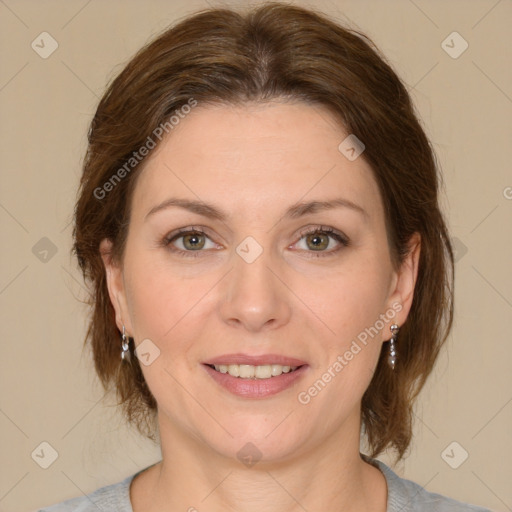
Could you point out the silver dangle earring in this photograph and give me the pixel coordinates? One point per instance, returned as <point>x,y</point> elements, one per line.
<point>125,353</point>
<point>392,349</point>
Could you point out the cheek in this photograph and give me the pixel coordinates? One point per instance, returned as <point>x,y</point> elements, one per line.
<point>162,303</point>
<point>351,305</point>
<point>348,358</point>
<point>350,299</point>
<point>167,309</point>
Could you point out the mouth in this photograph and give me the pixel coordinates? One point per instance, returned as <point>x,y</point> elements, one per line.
<point>248,371</point>
<point>255,376</point>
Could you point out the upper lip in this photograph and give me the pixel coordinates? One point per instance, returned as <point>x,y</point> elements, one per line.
<point>264,359</point>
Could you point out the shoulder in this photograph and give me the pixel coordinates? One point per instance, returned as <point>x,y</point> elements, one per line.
<point>407,496</point>
<point>111,497</point>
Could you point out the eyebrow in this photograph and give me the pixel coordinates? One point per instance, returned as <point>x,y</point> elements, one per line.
<point>293,212</point>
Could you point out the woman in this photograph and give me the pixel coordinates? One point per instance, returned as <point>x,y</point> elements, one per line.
<point>273,276</point>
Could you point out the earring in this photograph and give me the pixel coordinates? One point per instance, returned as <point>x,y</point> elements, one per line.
<point>125,353</point>
<point>392,351</point>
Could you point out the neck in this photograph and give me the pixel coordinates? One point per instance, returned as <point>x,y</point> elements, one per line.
<point>193,477</point>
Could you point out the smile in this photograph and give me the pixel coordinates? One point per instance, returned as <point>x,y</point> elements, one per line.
<point>255,381</point>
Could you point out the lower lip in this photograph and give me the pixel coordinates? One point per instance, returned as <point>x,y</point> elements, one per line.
<point>256,388</point>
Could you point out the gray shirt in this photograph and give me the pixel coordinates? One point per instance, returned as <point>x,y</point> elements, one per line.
<point>403,496</point>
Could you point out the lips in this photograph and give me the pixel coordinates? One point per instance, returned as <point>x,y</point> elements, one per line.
<point>262,360</point>
<point>272,373</point>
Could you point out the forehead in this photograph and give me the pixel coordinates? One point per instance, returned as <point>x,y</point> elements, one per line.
<point>253,158</point>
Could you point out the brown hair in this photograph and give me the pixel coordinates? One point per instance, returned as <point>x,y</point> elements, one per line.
<point>274,51</point>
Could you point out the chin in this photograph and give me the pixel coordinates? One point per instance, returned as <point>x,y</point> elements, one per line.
<point>259,438</point>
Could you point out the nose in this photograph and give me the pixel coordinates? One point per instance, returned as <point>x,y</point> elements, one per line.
<point>254,296</point>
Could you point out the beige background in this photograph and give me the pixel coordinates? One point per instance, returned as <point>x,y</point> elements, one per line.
<point>48,389</point>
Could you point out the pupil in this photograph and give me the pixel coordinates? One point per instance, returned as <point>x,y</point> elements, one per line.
<point>193,241</point>
<point>317,241</point>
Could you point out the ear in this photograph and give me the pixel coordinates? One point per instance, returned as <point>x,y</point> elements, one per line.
<point>116,287</point>
<point>404,281</point>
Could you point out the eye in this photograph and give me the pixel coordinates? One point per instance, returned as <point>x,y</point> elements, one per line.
<point>319,239</point>
<point>188,241</point>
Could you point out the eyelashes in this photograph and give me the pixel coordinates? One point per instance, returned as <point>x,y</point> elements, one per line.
<point>329,232</point>
<point>194,234</point>
<point>182,233</point>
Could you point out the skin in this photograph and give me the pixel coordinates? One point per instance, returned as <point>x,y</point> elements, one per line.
<point>253,162</point>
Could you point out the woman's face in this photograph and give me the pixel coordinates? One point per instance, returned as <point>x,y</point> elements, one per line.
<point>277,257</point>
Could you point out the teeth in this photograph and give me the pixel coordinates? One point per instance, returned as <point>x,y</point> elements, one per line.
<point>234,370</point>
<point>263,372</point>
<point>247,371</point>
